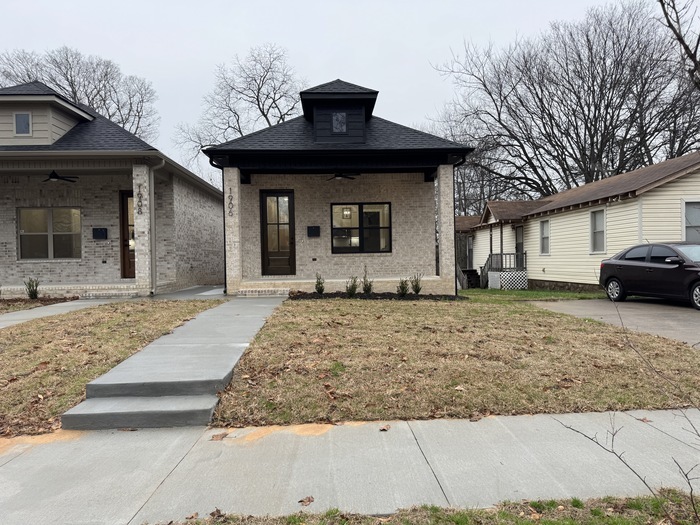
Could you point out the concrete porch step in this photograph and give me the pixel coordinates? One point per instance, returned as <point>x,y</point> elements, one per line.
<point>140,412</point>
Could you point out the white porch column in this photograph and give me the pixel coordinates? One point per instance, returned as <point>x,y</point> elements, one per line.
<point>446,227</point>
<point>143,213</point>
<point>232,229</point>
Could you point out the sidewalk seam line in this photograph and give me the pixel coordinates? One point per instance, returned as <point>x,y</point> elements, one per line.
<point>427,462</point>
<point>162,481</point>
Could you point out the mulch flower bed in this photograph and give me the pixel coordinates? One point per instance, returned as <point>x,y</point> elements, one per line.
<point>297,295</point>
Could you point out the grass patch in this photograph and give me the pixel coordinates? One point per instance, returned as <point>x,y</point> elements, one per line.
<point>46,363</point>
<point>342,360</point>
<point>591,512</point>
<point>15,305</point>
<point>489,295</point>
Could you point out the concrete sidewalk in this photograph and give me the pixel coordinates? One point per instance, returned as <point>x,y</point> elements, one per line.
<point>21,316</point>
<point>157,475</point>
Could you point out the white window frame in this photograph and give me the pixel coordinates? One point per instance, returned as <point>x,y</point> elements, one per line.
<point>684,202</point>
<point>548,237</point>
<point>14,123</point>
<point>593,231</point>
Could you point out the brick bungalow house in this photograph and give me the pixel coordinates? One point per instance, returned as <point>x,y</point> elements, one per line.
<point>334,191</point>
<point>89,209</point>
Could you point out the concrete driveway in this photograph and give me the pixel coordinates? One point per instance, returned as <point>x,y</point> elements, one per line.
<point>678,321</point>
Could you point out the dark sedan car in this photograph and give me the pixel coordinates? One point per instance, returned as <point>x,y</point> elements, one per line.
<point>669,270</point>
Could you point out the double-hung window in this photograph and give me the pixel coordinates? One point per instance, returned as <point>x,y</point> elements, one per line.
<point>598,231</point>
<point>692,221</point>
<point>361,228</point>
<point>544,238</point>
<point>49,233</point>
<point>23,124</point>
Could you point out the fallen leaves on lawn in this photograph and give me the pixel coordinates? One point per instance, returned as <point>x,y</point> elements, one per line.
<point>305,502</point>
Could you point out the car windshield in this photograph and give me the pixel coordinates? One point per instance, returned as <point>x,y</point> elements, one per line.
<point>691,251</point>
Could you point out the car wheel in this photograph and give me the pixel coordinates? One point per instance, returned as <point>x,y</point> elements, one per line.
<point>695,295</point>
<point>615,290</point>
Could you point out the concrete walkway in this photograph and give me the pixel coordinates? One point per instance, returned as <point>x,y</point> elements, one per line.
<point>21,316</point>
<point>158,475</point>
<point>654,316</point>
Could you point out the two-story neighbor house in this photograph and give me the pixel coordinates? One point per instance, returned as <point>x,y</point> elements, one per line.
<point>89,209</point>
<point>334,191</point>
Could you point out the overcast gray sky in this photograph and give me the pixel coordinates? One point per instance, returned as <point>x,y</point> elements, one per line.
<point>387,45</point>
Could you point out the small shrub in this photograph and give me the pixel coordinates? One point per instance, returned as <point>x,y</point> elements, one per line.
<point>576,503</point>
<point>402,288</point>
<point>32,287</point>
<point>351,286</point>
<point>367,283</point>
<point>320,281</point>
<point>415,283</point>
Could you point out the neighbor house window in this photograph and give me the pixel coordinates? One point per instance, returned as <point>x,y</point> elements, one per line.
<point>23,123</point>
<point>361,228</point>
<point>49,233</point>
<point>692,221</point>
<point>598,231</point>
<point>544,237</point>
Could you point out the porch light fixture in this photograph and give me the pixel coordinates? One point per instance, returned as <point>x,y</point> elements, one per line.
<point>347,213</point>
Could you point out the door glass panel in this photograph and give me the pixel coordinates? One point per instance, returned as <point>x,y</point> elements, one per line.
<point>272,239</point>
<point>33,221</point>
<point>283,207</point>
<point>637,254</point>
<point>284,237</point>
<point>271,210</point>
<point>34,246</point>
<point>659,254</point>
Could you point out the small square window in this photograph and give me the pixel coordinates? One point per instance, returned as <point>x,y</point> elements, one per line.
<point>340,122</point>
<point>23,123</point>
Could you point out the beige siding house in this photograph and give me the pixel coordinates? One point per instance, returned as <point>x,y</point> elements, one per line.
<point>565,236</point>
<point>89,209</point>
<point>336,191</point>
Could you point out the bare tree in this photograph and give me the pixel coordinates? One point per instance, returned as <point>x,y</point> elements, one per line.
<point>99,83</point>
<point>259,90</point>
<point>581,102</point>
<point>683,21</point>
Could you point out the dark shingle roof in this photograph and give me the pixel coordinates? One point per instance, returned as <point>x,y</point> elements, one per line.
<point>30,88</point>
<point>637,181</point>
<point>466,222</point>
<point>511,210</point>
<point>298,135</point>
<point>339,87</point>
<point>97,134</point>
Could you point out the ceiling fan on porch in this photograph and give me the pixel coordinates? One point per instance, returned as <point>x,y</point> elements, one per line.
<point>339,176</point>
<point>55,177</point>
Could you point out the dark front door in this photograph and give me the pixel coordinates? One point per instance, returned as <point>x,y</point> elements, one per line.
<point>126,234</point>
<point>277,215</point>
<point>519,248</point>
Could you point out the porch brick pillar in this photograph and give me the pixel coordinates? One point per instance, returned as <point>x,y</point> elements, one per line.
<point>143,211</point>
<point>232,229</point>
<point>446,227</point>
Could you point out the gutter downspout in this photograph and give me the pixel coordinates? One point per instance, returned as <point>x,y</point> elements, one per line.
<point>223,217</point>
<point>152,222</point>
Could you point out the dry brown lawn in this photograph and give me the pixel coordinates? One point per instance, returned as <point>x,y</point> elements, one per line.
<point>14,305</point>
<point>46,363</point>
<point>340,359</point>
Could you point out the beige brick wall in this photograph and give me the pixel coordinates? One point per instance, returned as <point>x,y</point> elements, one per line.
<point>413,217</point>
<point>97,196</point>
